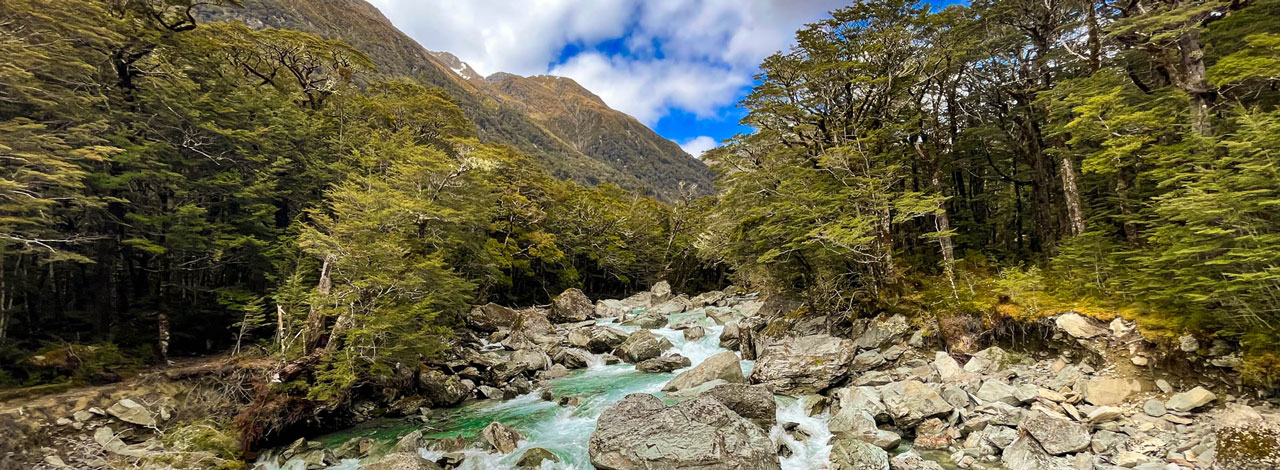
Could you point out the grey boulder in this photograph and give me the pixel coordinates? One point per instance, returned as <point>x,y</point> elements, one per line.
<point>640,432</point>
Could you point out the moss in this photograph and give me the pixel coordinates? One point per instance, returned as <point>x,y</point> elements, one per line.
<point>1249,446</point>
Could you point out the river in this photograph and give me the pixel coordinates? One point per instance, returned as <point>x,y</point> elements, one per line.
<point>565,430</point>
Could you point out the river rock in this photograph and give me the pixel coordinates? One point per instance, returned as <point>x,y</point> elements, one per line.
<point>1190,400</point>
<point>882,332</point>
<point>677,304</point>
<point>707,298</point>
<point>808,364</point>
<point>571,306</point>
<point>753,402</point>
<point>723,366</point>
<point>867,360</point>
<point>597,339</point>
<point>694,333</point>
<point>1026,454</point>
<point>640,432</point>
<point>1078,326</point>
<point>1102,391</point>
<point>850,453</point>
<point>997,390</point>
<point>910,402</point>
<point>910,460</point>
<point>573,358</point>
<point>132,412</point>
<point>946,366</point>
<point>646,319</point>
<point>721,315</point>
<point>861,398</point>
<point>730,337</point>
<point>660,292</point>
<point>642,345</point>
<point>611,308</point>
<point>442,390</point>
<point>400,461</point>
<point>501,437</point>
<point>534,457</point>
<point>1056,436</point>
<point>661,364</point>
<point>1154,408</point>
<point>490,317</point>
<point>534,323</point>
<point>987,361</point>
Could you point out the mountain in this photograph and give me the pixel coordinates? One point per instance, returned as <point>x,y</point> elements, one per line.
<point>571,131</point>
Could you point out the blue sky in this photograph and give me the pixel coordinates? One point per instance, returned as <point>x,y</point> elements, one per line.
<point>679,66</point>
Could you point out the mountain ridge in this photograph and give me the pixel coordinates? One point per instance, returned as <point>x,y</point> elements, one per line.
<point>570,130</point>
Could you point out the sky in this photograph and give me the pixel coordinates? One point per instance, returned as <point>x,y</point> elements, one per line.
<point>679,66</point>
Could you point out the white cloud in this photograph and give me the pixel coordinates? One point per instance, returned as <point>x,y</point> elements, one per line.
<point>693,55</point>
<point>697,145</point>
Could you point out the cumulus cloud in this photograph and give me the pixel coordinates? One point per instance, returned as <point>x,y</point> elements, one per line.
<point>698,145</point>
<point>692,55</point>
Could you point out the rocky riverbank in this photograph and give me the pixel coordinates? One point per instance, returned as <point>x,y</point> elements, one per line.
<point>727,380</point>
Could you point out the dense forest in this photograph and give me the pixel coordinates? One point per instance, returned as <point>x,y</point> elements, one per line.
<point>1119,154</point>
<point>174,187</point>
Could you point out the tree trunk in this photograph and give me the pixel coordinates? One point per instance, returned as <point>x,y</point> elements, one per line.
<point>1124,181</point>
<point>162,342</point>
<point>1075,215</point>
<point>1194,83</point>
<point>314,328</point>
<point>942,221</point>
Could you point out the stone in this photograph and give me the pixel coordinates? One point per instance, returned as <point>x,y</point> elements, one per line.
<point>910,402</point>
<point>677,304</point>
<point>1078,326</point>
<point>354,448</point>
<point>555,372</point>
<point>646,319</point>
<point>640,432</point>
<point>530,359</point>
<point>1190,400</point>
<point>400,461</point>
<point>1129,459</point>
<point>106,437</point>
<point>1056,436</point>
<point>867,360</point>
<point>642,345</point>
<point>861,398</point>
<point>1164,386</point>
<point>910,460</point>
<point>882,332</point>
<point>490,317</point>
<point>946,366</point>
<point>488,392</point>
<point>723,366</point>
<point>573,358</point>
<point>132,412</point>
<point>533,322</point>
<point>1103,414</point>
<point>611,308</point>
<point>442,390</point>
<point>997,390</point>
<point>753,402</point>
<point>597,339</point>
<point>707,298</point>
<point>1026,454</point>
<point>808,364</point>
<point>987,361</point>
<point>501,437</point>
<point>855,454</point>
<point>730,337</point>
<point>534,457</point>
<point>571,306</point>
<point>694,333</point>
<point>661,364</point>
<point>1154,408</point>
<point>1188,344</point>
<point>721,315</point>
<point>1105,442</point>
<point>660,292</point>
<point>1102,391</point>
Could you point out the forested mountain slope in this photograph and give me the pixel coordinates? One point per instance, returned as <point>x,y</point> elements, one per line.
<point>570,130</point>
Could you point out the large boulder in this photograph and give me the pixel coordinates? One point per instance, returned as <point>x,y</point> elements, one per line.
<point>882,332</point>
<point>572,358</point>
<point>730,338</point>
<point>400,461</point>
<point>490,317</point>
<point>533,322</point>
<point>571,306</point>
<point>987,361</point>
<point>611,308</point>
<point>597,339</point>
<point>659,293</point>
<point>501,437</point>
<point>753,402</point>
<point>534,457</point>
<point>663,364</point>
<point>1078,326</point>
<point>723,366</point>
<point>530,360</point>
<point>441,389</point>
<point>946,366</point>
<point>1187,401</point>
<point>910,402</point>
<point>1056,435</point>
<point>808,364</point>
<point>642,345</point>
<point>850,453</point>
<point>1026,454</point>
<point>640,432</point>
<point>1103,391</point>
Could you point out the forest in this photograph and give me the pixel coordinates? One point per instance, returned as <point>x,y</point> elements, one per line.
<point>174,187</point>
